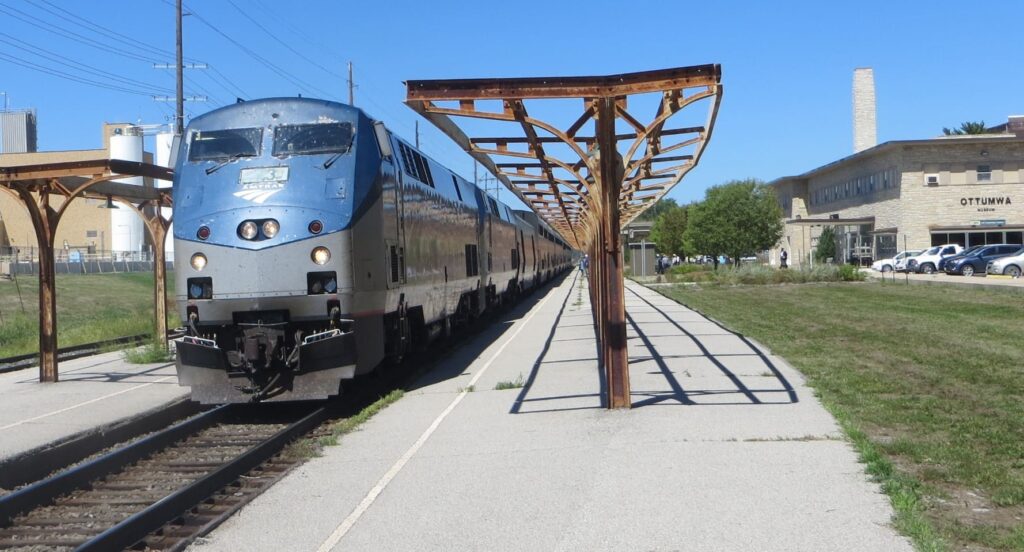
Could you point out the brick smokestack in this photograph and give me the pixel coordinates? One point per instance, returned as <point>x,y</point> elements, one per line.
<point>864,128</point>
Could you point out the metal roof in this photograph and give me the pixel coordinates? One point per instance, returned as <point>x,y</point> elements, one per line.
<point>557,169</point>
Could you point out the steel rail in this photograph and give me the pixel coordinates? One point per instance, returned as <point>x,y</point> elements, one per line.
<point>138,526</point>
<point>46,491</point>
<point>21,362</point>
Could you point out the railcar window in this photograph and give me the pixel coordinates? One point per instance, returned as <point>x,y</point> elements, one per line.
<point>457,189</point>
<point>312,139</point>
<point>225,144</point>
<point>416,165</point>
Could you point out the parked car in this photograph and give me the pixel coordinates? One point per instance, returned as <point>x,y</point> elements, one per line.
<point>894,263</point>
<point>976,259</point>
<point>1010,265</point>
<point>928,262</point>
<point>946,260</point>
<point>901,264</point>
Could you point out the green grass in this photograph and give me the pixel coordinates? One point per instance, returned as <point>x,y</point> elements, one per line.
<point>927,381</point>
<point>90,308</point>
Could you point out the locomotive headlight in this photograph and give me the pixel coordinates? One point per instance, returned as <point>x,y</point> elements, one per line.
<point>270,228</point>
<point>198,261</point>
<point>320,255</point>
<point>247,230</point>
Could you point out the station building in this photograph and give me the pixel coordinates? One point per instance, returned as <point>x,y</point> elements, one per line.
<point>909,194</point>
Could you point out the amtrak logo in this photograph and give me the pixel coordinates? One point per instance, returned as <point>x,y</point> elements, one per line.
<point>259,183</point>
<point>259,192</point>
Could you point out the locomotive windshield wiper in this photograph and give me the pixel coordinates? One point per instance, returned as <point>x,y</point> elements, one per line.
<point>330,160</point>
<point>227,160</point>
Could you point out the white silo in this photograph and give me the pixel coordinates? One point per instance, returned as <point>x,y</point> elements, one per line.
<point>164,141</point>
<point>126,227</point>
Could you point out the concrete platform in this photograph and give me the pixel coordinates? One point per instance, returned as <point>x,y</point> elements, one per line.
<point>725,449</point>
<point>92,392</point>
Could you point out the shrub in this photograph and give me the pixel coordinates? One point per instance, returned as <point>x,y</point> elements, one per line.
<point>763,275</point>
<point>849,273</point>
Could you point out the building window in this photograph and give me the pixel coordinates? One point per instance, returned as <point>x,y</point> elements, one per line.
<point>984,173</point>
<point>931,180</point>
<point>91,233</point>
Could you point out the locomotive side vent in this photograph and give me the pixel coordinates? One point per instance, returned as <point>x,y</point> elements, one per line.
<point>394,263</point>
<point>472,263</point>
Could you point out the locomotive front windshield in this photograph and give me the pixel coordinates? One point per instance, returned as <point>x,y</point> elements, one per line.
<point>225,144</point>
<point>312,139</point>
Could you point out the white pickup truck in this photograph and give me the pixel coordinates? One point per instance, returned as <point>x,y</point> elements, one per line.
<point>928,262</point>
<point>898,263</point>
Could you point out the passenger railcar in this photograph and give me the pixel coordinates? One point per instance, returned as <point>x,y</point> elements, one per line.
<point>311,243</point>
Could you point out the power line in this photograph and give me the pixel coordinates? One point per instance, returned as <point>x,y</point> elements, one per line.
<point>281,72</point>
<point>281,42</point>
<point>76,65</point>
<point>302,34</point>
<point>238,92</point>
<point>192,83</point>
<point>69,76</point>
<point>105,32</point>
<point>210,96</point>
<point>65,33</point>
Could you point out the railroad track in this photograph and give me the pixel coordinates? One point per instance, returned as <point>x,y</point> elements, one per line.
<point>20,362</point>
<point>164,491</point>
<point>161,492</point>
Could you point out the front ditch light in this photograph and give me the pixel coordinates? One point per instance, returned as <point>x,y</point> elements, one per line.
<point>198,261</point>
<point>321,255</point>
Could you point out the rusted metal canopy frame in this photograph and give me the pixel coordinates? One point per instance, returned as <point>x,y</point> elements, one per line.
<point>33,186</point>
<point>607,188</point>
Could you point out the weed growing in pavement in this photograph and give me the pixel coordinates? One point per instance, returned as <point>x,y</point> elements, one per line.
<point>148,354</point>
<point>467,389</point>
<point>311,447</point>
<point>348,425</point>
<point>515,384</point>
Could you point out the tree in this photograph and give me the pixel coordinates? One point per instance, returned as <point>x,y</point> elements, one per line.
<point>826,245</point>
<point>664,204</point>
<point>737,219</point>
<point>969,127</point>
<point>668,230</point>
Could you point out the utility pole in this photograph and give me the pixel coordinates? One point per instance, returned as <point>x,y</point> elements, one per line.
<point>351,86</point>
<point>179,123</point>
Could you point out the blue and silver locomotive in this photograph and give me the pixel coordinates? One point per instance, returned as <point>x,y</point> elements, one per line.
<point>311,243</point>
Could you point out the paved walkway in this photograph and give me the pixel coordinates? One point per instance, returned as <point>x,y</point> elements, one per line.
<point>725,449</point>
<point>92,392</point>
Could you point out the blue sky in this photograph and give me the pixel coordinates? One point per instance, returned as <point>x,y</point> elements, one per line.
<point>787,66</point>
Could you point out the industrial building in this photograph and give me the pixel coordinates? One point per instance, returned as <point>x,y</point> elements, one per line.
<point>906,194</point>
<point>88,228</point>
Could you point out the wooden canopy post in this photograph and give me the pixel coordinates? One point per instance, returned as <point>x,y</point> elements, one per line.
<point>584,186</point>
<point>44,221</point>
<point>35,184</point>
